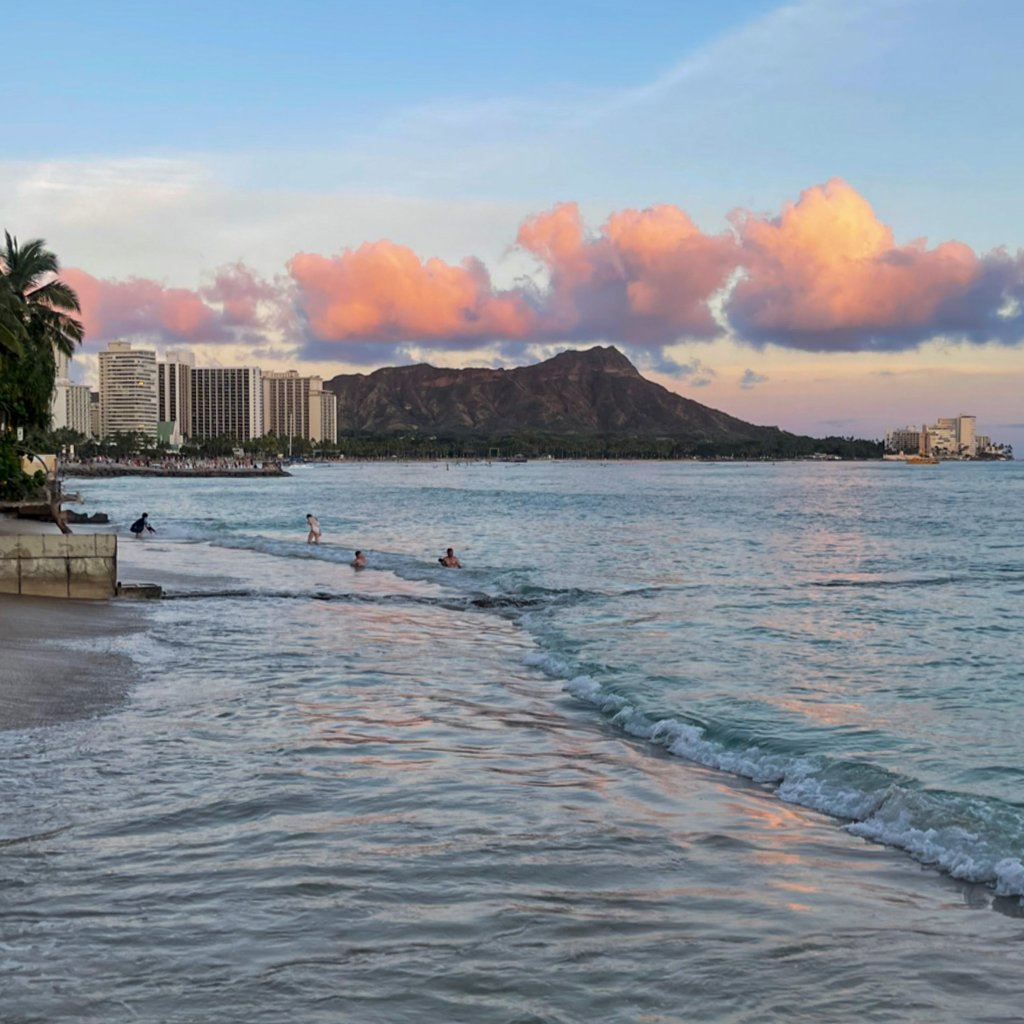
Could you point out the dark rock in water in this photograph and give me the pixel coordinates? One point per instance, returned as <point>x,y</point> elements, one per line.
<point>71,516</point>
<point>140,591</point>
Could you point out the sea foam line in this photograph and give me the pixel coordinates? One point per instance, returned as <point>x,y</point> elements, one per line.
<point>970,838</point>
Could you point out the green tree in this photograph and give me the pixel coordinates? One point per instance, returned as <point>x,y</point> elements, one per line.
<point>37,318</point>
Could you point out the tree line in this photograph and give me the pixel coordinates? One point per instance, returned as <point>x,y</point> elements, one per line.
<point>526,444</point>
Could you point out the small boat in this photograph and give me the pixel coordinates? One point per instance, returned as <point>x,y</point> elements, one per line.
<point>922,460</point>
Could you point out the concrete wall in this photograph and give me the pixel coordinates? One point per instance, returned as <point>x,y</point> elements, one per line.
<point>59,565</point>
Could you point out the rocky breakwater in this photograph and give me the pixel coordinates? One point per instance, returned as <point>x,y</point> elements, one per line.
<point>108,469</point>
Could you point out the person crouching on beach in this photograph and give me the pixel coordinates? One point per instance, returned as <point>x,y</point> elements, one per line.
<point>359,562</point>
<point>314,529</point>
<point>141,525</point>
<point>449,561</point>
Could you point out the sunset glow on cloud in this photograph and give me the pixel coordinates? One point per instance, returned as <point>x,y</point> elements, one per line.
<point>646,277</point>
<point>824,275</point>
<point>827,274</point>
<point>140,307</point>
<point>382,292</point>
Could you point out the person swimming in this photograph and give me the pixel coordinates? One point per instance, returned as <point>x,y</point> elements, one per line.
<point>359,562</point>
<point>449,561</point>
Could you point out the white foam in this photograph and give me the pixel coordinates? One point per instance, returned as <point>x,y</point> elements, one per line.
<point>962,835</point>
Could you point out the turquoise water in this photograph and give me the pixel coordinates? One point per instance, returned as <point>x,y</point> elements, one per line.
<point>681,741</point>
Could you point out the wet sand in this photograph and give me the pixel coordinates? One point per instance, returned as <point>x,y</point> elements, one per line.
<point>42,681</point>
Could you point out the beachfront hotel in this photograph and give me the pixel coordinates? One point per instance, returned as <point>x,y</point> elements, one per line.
<point>295,406</point>
<point>128,395</point>
<point>951,437</point>
<point>227,402</point>
<point>174,401</point>
<point>174,396</point>
<point>70,403</point>
<point>329,416</point>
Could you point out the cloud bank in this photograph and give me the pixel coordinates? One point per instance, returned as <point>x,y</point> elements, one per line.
<point>824,275</point>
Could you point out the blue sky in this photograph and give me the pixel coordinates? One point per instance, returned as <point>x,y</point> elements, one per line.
<point>167,142</point>
<point>118,76</point>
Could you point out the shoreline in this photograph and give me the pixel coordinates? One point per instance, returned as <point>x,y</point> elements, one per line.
<point>43,679</point>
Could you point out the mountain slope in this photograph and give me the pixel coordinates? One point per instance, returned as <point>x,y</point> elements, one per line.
<point>592,393</point>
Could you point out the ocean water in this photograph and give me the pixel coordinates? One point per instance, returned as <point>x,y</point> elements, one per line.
<point>680,742</point>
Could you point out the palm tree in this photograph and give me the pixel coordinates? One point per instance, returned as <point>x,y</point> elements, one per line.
<point>10,327</point>
<point>29,275</point>
<point>36,320</point>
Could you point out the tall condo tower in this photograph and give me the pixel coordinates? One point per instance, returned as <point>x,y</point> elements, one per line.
<point>174,395</point>
<point>329,416</point>
<point>227,402</point>
<point>128,399</point>
<point>69,404</point>
<point>293,406</point>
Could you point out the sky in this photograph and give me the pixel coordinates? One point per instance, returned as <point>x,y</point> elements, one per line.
<point>804,214</point>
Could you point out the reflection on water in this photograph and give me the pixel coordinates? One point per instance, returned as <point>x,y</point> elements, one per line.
<point>384,806</point>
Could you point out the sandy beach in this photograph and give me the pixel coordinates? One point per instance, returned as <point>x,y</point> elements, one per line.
<point>45,676</point>
<point>43,682</point>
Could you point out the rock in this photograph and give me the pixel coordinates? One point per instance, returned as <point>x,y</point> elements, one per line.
<point>71,516</point>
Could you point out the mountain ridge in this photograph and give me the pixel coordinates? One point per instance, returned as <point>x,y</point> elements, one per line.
<point>590,393</point>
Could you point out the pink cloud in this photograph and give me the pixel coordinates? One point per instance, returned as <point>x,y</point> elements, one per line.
<point>383,292</point>
<point>645,277</point>
<point>139,307</point>
<point>827,274</point>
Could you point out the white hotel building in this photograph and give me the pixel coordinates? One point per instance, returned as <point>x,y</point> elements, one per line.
<point>128,395</point>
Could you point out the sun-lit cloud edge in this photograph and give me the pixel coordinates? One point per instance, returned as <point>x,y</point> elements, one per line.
<point>823,275</point>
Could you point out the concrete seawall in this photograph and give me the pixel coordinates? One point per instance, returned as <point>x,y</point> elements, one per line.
<point>59,565</point>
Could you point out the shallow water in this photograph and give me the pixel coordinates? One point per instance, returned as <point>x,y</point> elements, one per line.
<point>681,742</point>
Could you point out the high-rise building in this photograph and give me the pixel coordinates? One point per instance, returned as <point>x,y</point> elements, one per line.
<point>293,406</point>
<point>69,404</point>
<point>128,396</point>
<point>227,402</point>
<point>965,435</point>
<point>95,423</point>
<point>329,417</point>
<point>79,404</point>
<point>174,396</point>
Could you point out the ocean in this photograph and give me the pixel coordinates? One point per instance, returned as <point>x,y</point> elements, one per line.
<point>681,742</point>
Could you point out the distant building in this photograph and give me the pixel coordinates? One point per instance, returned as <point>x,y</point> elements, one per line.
<point>903,441</point>
<point>226,402</point>
<point>329,417</point>
<point>174,396</point>
<point>79,405</point>
<point>942,438</point>
<point>128,393</point>
<point>94,414</point>
<point>293,406</point>
<point>69,404</point>
<point>951,437</point>
<point>965,435</point>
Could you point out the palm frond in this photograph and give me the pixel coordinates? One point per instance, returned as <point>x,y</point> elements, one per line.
<point>57,295</point>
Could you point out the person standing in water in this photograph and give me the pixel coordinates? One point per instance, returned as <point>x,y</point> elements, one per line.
<point>314,529</point>
<point>449,561</point>
<point>359,562</point>
<point>141,525</point>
